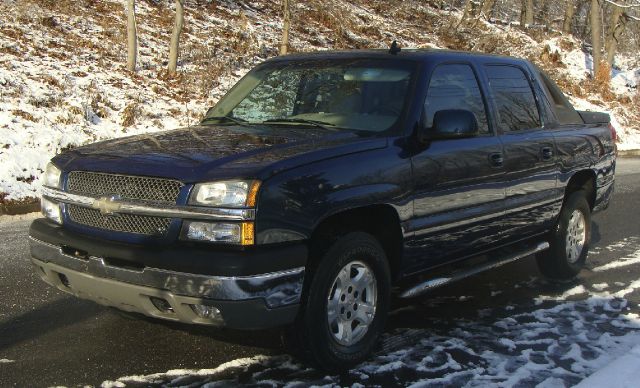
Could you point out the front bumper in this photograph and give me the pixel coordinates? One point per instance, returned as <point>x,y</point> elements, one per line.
<point>245,302</point>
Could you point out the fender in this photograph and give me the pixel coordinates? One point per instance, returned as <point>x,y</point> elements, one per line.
<point>294,202</point>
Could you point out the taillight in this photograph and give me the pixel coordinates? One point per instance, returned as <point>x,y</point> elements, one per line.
<point>614,135</point>
<point>614,138</point>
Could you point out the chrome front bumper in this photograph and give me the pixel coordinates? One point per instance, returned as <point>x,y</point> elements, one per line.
<point>131,289</point>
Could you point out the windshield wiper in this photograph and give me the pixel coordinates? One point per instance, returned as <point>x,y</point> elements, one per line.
<point>228,118</point>
<point>317,123</point>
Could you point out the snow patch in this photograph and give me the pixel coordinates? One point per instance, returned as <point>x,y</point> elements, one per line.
<point>634,258</point>
<point>623,372</point>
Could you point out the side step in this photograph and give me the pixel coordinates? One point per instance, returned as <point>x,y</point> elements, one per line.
<point>431,284</point>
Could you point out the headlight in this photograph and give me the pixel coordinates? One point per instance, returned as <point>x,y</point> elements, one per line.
<point>52,176</point>
<point>51,210</point>
<point>219,232</point>
<point>225,194</point>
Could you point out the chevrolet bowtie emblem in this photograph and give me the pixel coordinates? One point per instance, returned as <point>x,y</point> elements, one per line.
<point>107,205</point>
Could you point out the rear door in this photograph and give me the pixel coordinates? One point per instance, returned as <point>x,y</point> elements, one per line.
<point>458,183</point>
<point>530,154</point>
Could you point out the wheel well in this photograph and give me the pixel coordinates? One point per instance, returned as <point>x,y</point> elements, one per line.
<point>583,180</point>
<point>381,221</point>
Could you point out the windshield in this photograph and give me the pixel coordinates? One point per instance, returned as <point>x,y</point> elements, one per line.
<point>361,94</point>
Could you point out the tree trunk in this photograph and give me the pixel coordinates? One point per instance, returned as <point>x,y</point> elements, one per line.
<point>585,26</point>
<point>529,16</point>
<point>596,29</point>
<point>175,37</point>
<point>545,15</point>
<point>286,25</point>
<point>523,13</point>
<point>568,17</point>
<point>132,36</point>
<point>616,26</point>
<point>487,8</point>
<point>466,13</point>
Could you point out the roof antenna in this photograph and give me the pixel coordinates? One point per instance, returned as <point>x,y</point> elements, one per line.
<point>394,49</point>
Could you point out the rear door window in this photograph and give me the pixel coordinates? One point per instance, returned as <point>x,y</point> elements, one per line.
<point>513,97</point>
<point>454,86</point>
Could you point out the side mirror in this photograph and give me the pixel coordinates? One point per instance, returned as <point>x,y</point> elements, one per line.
<point>450,124</point>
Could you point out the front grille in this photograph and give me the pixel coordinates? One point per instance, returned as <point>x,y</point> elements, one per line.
<point>125,186</point>
<point>129,223</point>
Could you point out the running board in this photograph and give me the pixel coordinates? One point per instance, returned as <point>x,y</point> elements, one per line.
<point>431,284</point>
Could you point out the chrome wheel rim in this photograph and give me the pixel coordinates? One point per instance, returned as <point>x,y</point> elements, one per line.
<point>351,303</point>
<point>576,236</point>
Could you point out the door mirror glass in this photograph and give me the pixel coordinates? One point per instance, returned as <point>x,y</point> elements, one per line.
<point>452,124</point>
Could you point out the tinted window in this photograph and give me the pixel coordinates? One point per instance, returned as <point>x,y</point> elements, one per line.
<point>514,98</point>
<point>455,87</point>
<point>565,112</point>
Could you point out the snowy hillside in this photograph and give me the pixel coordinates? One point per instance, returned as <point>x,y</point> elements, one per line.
<point>64,83</point>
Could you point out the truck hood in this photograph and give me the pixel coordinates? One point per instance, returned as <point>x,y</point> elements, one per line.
<point>207,152</point>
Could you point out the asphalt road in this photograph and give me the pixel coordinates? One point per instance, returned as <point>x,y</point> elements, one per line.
<point>49,338</point>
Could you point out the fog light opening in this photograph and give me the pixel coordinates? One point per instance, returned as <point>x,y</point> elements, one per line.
<point>206,312</point>
<point>162,305</point>
<point>64,280</point>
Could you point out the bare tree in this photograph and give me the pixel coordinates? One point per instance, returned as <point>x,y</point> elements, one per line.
<point>286,25</point>
<point>487,8</point>
<point>616,26</point>
<point>132,36</point>
<point>467,11</point>
<point>620,14</point>
<point>568,16</point>
<point>596,30</point>
<point>174,49</point>
<point>545,14</point>
<point>529,15</point>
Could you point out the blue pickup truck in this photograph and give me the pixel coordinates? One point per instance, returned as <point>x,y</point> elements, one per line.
<point>323,183</point>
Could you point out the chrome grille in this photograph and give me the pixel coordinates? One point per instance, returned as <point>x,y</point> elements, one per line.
<point>126,186</point>
<point>129,223</point>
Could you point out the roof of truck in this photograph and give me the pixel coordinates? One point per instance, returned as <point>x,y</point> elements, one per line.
<point>406,53</point>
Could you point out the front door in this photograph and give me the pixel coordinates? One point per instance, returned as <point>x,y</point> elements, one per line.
<point>458,183</point>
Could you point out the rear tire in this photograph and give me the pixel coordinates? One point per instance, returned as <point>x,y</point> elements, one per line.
<point>569,240</point>
<point>346,306</point>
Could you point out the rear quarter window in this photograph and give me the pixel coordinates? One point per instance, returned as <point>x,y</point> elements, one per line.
<point>565,113</point>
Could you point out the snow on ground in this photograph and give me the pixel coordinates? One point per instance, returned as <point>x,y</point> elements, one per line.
<point>556,340</point>
<point>577,65</point>
<point>634,258</point>
<point>623,372</point>
<point>6,361</point>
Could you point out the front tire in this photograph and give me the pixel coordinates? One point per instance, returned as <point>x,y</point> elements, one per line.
<point>569,241</point>
<point>347,302</point>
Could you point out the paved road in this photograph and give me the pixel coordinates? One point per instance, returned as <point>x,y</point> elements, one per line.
<point>48,338</point>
